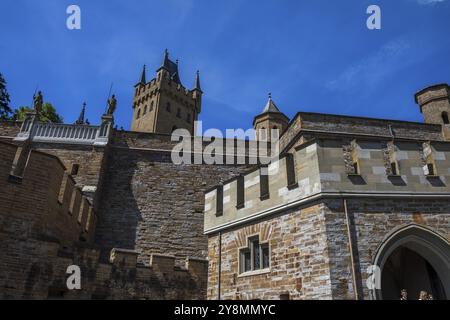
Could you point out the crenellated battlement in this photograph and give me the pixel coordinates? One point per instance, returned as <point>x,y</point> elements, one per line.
<point>294,176</point>
<point>45,195</point>
<point>332,167</point>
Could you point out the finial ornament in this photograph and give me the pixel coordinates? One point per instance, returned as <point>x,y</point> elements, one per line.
<point>38,101</point>
<point>81,117</point>
<point>112,103</point>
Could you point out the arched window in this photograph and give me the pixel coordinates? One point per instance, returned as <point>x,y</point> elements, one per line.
<point>445,117</point>
<point>145,110</point>
<point>138,114</point>
<point>151,106</point>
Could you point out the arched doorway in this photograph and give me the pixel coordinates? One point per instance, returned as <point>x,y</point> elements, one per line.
<point>413,258</point>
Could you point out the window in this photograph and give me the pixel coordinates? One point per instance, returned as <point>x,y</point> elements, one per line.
<point>178,113</point>
<point>431,171</point>
<point>74,169</point>
<point>168,106</point>
<point>145,110</point>
<point>151,106</point>
<point>255,257</point>
<point>394,169</point>
<point>188,118</point>
<point>445,117</point>
<point>285,296</point>
<point>355,167</point>
<point>262,134</point>
<point>138,114</point>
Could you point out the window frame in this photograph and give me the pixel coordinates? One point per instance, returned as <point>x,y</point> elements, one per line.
<point>250,251</point>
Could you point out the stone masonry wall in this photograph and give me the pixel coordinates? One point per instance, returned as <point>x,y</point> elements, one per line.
<point>9,129</point>
<point>299,258</point>
<point>151,205</point>
<point>375,219</point>
<point>91,163</point>
<point>309,248</point>
<point>43,202</point>
<point>36,269</point>
<point>42,218</point>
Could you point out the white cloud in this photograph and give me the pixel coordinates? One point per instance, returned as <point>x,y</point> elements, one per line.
<point>373,69</point>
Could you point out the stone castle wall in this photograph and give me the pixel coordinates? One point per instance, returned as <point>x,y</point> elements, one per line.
<point>150,204</point>
<point>47,224</point>
<point>9,129</point>
<point>44,201</point>
<point>306,227</point>
<point>309,248</point>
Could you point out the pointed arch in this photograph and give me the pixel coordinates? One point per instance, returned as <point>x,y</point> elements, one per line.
<point>427,243</point>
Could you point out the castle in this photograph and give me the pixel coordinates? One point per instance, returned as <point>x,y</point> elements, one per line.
<point>347,195</point>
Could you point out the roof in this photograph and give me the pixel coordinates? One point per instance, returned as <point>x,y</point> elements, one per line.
<point>270,106</point>
<point>171,67</point>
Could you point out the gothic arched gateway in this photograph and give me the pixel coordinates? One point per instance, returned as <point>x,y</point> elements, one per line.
<point>413,258</point>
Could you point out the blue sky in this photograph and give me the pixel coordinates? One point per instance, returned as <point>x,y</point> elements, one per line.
<point>313,55</point>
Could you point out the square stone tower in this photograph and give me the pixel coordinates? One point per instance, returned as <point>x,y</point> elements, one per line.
<point>164,104</point>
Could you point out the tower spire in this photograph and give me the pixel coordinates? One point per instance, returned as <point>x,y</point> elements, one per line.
<point>81,117</point>
<point>197,82</point>
<point>165,63</point>
<point>143,76</point>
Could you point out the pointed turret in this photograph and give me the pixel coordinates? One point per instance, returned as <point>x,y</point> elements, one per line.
<point>197,82</point>
<point>271,118</point>
<point>270,106</point>
<point>81,117</point>
<point>170,67</point>
<point>143,76</point>
<point>166,60</point>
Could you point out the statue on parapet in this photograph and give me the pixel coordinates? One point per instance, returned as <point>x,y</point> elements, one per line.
<point>38,101</point>
<point>112,104</point>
